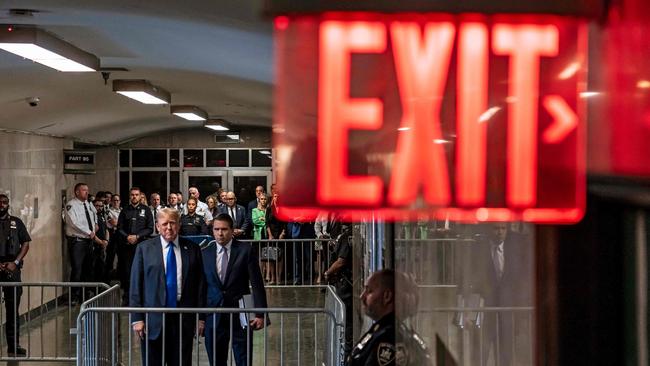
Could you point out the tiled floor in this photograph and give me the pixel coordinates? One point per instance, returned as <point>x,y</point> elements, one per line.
<point>291,339</point>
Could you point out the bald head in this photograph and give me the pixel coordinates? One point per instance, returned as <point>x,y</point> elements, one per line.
<point>231,199</point>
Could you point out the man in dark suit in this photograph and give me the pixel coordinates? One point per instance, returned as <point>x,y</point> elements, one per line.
<point>238,215</point>
<point>167,272</point>
<point>231,268</point>
<point>504,269</point>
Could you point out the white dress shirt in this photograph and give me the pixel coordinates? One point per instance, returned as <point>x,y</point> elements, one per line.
<point>179,264</point>
<point>76,223</point>
<point>498,259</point>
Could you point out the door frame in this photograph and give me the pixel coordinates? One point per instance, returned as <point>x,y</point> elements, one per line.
<point>227,176</point>
<point>223,173</point>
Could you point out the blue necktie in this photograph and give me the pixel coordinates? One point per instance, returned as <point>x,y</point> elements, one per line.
<point>170,277</point>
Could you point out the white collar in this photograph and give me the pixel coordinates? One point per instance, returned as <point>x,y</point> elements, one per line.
<point>164,243</point>
<point>227,246</point>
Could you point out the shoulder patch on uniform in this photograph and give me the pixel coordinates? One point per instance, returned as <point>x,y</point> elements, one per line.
<point>68,207</point>
<point>385,353</point>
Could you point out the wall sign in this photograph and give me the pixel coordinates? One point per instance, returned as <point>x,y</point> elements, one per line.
<point>405,116</point>
<point>78,162</point>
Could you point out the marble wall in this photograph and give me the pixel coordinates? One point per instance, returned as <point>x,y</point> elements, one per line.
<point>31,174</point>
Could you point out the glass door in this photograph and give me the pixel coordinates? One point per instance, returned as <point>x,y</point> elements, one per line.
<point>207,182</point>
<point>243,183</point>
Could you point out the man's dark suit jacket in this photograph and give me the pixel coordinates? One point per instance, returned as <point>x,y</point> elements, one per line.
<point>515,286</point>
<point>148,288</point>
<point>243,269</point>
<point>242,218</point>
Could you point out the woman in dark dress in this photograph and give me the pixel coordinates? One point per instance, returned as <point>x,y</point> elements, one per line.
<point>275,229</point>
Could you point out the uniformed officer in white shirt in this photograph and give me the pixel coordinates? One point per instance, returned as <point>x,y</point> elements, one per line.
<point>80,228</point>
<point>201,207</point>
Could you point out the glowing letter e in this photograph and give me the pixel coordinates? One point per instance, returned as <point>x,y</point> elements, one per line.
<point>338,113</point>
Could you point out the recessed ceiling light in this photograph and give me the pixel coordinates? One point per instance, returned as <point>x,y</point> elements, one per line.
<point>142,91</point>
<point>42,47</point>
<point>189,112</point>
<point>217,125</point>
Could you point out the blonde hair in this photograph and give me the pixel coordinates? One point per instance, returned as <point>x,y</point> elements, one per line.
<point>169,212</point>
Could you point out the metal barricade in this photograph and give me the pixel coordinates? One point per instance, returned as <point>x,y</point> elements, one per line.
<point>433,261</point>
<point>100,344</point>
<point>480,336</point>
<point>295,336</point>
<point>47,323</point>
<point>297,262</point>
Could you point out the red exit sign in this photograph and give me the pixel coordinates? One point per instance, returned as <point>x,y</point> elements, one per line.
<point>405,116</point>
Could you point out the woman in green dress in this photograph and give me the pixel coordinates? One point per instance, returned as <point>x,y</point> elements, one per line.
<point>259,219</point>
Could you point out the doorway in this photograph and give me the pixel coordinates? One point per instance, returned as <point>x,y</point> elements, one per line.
<point>240,181</point>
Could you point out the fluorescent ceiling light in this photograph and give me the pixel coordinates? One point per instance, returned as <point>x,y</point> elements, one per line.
<point>218,125</point>
<point>42,47</point>
<point>189,112</point>
<point>265,152</point>
<point>142,91</point>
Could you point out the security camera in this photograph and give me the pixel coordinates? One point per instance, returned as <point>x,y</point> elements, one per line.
<point>33,101</point>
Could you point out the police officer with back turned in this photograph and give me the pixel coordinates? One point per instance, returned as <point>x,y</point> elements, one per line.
<point>14,244</point>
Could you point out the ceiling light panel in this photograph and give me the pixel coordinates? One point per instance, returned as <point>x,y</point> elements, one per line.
<point>42,47</point>
<point>142,91</point>
<point>189,112</point>
<point>218,125</point>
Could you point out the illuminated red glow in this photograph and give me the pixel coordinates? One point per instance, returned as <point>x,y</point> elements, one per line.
<point>525,44</point>
<point>482,214</point>
<point>565,120</point>
<point>338,113</point>
<point>472,86</point>
<point>421,52</point>
<point>421,66</point>
<point>281,22</point>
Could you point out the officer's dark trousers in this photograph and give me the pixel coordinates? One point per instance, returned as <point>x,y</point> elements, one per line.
<point>12,303</point>
<point>125,255</point>
<point>81,261</point>
<point>111,249</point>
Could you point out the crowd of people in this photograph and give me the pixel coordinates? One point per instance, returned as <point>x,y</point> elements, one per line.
<point>122,225</point>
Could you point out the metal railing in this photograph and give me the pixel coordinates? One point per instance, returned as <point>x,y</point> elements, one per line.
<point>99,344</point>
<point>480,336</point>
<point>295,336</point>
<point>432,261</point>
<point>47,325</point>
<point>288,262</point>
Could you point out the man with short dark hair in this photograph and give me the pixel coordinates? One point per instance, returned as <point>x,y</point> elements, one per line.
<point>172,201</point>
<point>377,346</point>
<point>134,225</point>
<point>231,269</point>
<point>14,245</point>
<point>80,227</point>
